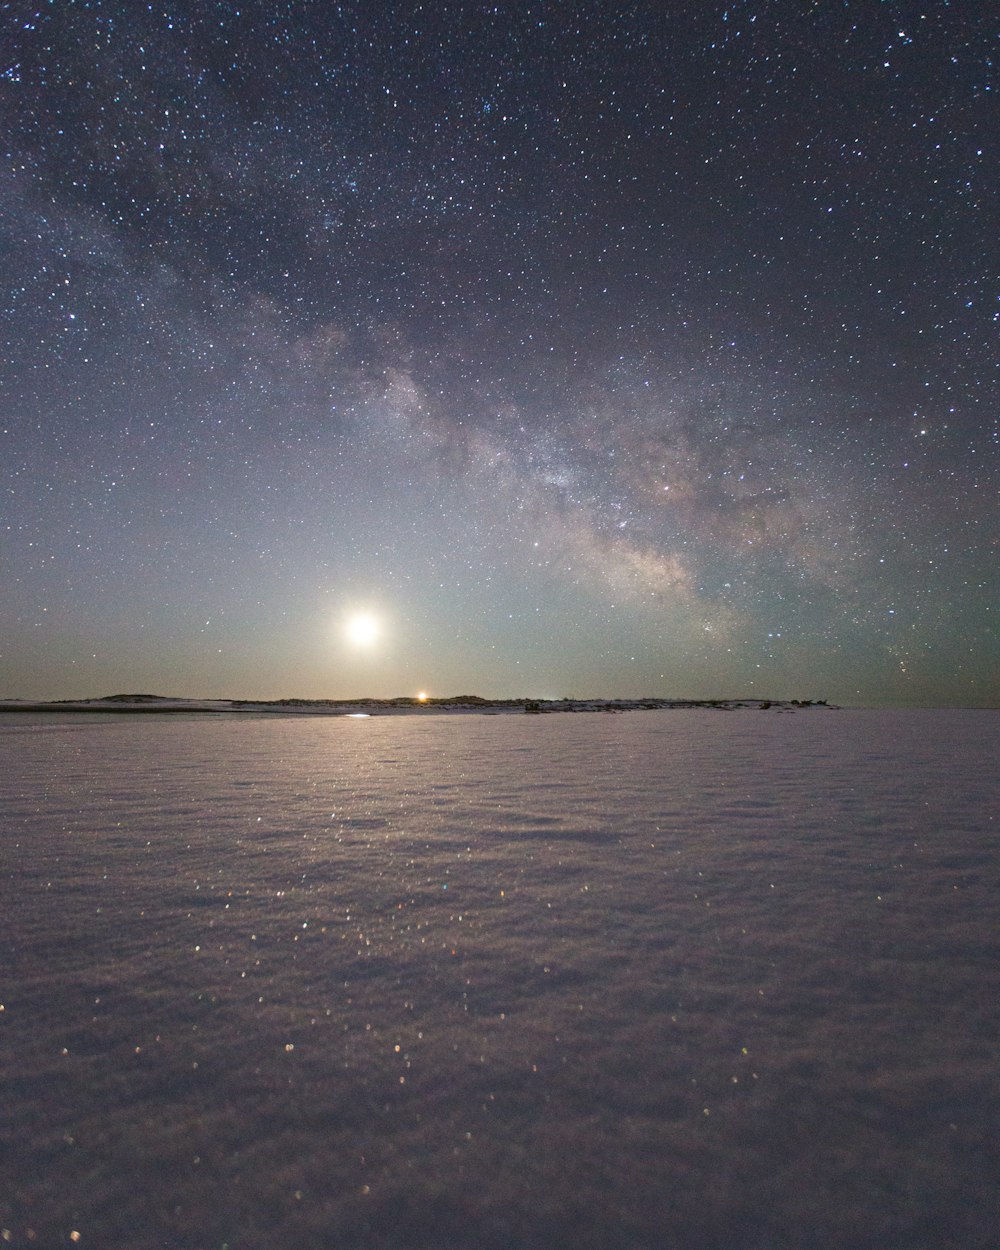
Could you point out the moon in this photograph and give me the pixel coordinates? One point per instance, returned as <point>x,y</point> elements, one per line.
<point>363,630</point>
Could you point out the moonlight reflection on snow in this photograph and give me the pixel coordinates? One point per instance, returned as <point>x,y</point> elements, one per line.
<point>652,980</point>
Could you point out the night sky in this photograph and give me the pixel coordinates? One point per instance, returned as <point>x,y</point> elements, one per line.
<point>585,349</point>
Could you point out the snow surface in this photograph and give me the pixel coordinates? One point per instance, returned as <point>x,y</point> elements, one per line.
<point>674,979</point>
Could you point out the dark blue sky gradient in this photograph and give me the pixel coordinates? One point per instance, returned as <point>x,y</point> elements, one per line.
<point>593,349</point>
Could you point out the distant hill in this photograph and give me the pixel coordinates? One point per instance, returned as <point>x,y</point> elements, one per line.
<point>134,698</point>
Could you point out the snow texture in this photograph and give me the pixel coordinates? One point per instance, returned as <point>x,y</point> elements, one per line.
<point>697,979</point>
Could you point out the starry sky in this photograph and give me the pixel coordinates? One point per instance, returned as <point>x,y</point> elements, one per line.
<point>585,349</point>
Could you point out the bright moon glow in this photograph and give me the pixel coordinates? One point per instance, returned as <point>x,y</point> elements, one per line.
<point>363,630</point>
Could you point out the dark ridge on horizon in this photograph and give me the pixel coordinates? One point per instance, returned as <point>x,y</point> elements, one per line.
<point>128,698</point>
<point>153,703</point>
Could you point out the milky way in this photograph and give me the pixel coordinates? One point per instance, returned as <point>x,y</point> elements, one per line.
<point>595,349</point>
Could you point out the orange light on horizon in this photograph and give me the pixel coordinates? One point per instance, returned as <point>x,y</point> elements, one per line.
<point>422,696</point>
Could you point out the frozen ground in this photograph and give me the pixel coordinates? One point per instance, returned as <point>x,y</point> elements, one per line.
<point>693,979</point>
